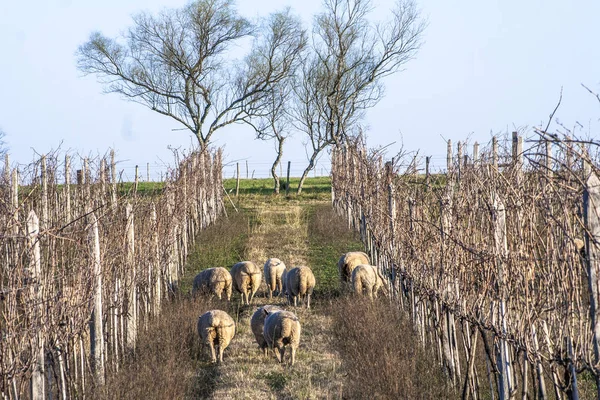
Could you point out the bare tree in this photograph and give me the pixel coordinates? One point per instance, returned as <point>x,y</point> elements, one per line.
<point>179,64</point>
<point>271,119</point>
<point>342,77</point>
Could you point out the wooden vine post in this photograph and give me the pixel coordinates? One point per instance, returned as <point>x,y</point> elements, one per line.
<point>113,178</point>
<point>156,262</point>
<point>502,355</point>
<point>591,216</point>
<point>36,290</point>
<point>96,328</point>
<point>67,188</point>
<point>131,280</point>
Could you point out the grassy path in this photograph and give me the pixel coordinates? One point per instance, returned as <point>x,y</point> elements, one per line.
<point>281,231</point>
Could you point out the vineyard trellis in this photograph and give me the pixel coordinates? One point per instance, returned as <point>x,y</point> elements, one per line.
<point>84,265</point>
<point>489,253</point>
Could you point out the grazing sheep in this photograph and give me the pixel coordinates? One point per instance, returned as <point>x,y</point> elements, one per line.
<point>246,279</point>
<point>348,262</point>
<point>368,278</point>
<point>216,328</point>
<point>282,328</point>
<point>273,269</point>
<point>257,323</point>
<point>300,282</point>
<point>213,280</point>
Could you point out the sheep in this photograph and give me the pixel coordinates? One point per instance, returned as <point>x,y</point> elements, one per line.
<point>368,278</point>
<point>300,282</point>
<point>282,328</point>
<point>213,280</point>
<point>216,328</point>
<point>348,262</point>
<point>284,283</point>
<point>273,269</point>
<point>246,279</point>
<point>257,323</point>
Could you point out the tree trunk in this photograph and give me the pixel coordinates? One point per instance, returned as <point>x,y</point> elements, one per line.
<point>311,165</point>
<point>276,163</point>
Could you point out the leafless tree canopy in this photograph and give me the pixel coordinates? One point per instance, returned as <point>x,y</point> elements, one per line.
<point>342,76</point>
<point>178,63</point>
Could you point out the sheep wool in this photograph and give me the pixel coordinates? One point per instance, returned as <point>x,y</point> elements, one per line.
<point>281,329</point>
<point>216,329</point>
<point>273,270</point>
<point>368,280</point>
<point>300,282</point>
<point>257,323</point>
<point>348,262</point>
<point>246,279</point>
<point>213,280</point>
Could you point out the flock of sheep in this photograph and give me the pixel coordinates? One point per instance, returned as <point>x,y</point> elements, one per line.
<point>273,327</point>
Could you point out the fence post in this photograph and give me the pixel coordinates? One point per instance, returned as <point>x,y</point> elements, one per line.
<point>15,202</point>
<point>68,187</point>
<point>137,179</point>
<point>287,184</point>
<point>449,157</point>
<point>96,328</point>
<point>36,290</point>
<point>147,172</point>
<point>237,182</point>
<point>6,169</point>
<point>591,217</point>
<point>131,280</point>
<point>495,153</point>
<point>156,262</point>
<point>113,178</point>
<point>475,153</point>
<point>44,195</point>
<point>501,250</point>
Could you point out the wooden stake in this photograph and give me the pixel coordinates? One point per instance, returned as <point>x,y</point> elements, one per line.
<point>131,281</point>
<point>35,274</point>
<point>591,217</point>
<point>96,324</point>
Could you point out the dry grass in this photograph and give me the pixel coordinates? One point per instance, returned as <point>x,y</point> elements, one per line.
<point>381,354</point>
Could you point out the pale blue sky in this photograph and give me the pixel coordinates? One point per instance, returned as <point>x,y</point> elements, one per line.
<point>486,66</point>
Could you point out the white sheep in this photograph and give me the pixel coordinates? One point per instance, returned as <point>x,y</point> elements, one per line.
<point>257,323</point>
<point>246,279</point>
<point>367,278</point>
<point>273,270</point>
<point>213,280</point>
<point>300,282</point>
<point>348,262</point>
<point>216,328</point>
<point>281,329</point>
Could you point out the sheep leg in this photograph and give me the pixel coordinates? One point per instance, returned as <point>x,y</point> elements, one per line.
<point>295,301</point>
<point>293,355</point>
<point>220,353</point>
<point>279,353</point>
<point>307,306</point>
<point>213,357</point>
<point>282,353</point>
